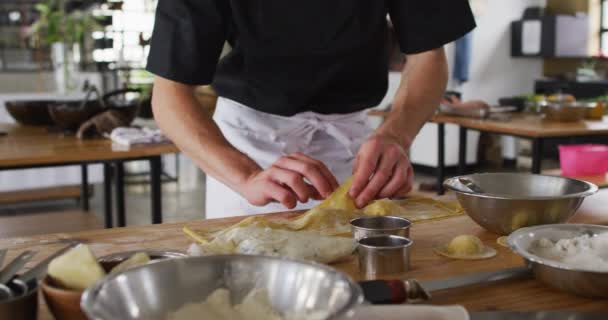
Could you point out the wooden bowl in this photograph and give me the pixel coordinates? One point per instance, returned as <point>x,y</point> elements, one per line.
<point>30,112</point>
<point>64,304</point>
<point>69,115</point>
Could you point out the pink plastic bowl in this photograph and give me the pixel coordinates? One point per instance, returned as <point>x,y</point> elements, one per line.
<point>583,160</point>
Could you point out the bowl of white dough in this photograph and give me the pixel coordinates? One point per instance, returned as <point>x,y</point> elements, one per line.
<point>568,257</point>
<point>224,287</point>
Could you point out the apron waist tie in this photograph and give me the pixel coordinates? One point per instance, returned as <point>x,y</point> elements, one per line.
<point>299,136</point>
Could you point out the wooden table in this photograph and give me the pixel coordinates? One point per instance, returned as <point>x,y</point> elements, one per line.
<point>516,295</point>
<point>525,126</point>
<point>521,125</point>
<point>23,147</point>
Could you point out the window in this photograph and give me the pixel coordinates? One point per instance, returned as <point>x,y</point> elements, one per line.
<point>125,40</point>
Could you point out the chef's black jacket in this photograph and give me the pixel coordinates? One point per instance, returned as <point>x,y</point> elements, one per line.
<point>291,56</point>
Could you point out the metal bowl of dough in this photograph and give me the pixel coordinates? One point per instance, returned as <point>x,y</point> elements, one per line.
<point>582,281</point>
<point>155,291</point>
<point>506,202</point>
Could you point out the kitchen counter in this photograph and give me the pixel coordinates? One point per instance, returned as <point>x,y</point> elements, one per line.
<point>516,295</point>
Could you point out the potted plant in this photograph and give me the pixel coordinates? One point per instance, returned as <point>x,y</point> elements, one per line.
<point>63,32</point>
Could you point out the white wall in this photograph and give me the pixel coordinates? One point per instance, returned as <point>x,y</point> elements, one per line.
<point>26,82</point>
<point>494,74</point>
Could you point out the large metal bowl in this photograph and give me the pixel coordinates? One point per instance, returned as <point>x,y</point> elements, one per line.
<point>514,200</point>
<point>579,281</point>
<point>153,291</point>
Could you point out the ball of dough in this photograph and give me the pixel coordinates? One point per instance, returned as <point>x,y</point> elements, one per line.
<point>465,245</point>
<point>383,207</point>
<point>503,241</point>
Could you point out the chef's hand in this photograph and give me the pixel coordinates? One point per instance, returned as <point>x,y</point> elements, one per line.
<point>290,179</point>
<point>382,169</point>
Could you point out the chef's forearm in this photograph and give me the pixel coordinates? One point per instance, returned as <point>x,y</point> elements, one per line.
<point>423,84</point>
<point>191,128</point>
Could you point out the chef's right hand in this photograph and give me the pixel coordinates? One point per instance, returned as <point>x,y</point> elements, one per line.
<point>290,179</point>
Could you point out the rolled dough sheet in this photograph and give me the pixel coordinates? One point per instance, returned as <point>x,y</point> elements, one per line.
<point>428,209</point>
<point>336,222</point>
<point>256,240</point>
<point>332,217</point>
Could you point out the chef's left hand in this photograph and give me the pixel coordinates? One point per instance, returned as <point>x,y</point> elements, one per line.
<point>382,169</point>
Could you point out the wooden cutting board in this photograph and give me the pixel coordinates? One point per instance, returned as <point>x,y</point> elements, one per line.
<point>518,295</point>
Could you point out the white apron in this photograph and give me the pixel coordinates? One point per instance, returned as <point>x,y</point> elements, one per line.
<point>332,139</point>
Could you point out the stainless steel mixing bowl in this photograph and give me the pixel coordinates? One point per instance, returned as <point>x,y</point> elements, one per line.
<point>580,281</point>
<point>514,200</point>
<point>153,291</point>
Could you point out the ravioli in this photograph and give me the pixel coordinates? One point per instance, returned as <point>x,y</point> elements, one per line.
<point>340,199</point>
<point>325,220</point>
<point>503,241</point>
<point>466,247</point>
<point>383,207</point>
<point>332,216</point>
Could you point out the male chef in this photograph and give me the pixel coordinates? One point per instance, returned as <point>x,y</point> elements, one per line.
<point>290,122</point>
